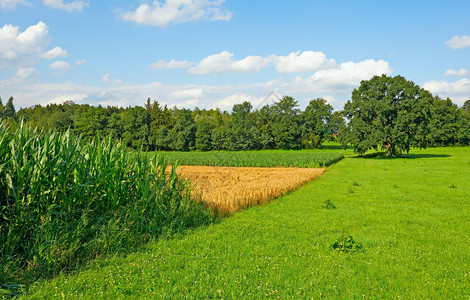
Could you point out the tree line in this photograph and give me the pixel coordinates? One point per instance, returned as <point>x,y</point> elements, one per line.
<point>390,113</point>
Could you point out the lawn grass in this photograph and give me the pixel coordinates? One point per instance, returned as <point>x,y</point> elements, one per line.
<point>410,214</point>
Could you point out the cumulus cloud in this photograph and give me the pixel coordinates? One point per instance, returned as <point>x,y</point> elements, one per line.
<point>346,77</point>
<point>224,62</point>
<point>458,73</point>
<point>458,91</point>
<point>25,72</point>
<point>107,79</point>
<point>228,102</point>
<point>59,99</point>
<point>187,94</point>
<point>20,48</point>
<point>172,64</point>
<point>79,62</point>
<point>334,84</point>
<point>70,7</point>
<point>59,65</point>
<point>11,4</point>
<point>458,42</point>
<point>306,61</point>
<point>54,53</point>
<point>176,11</point>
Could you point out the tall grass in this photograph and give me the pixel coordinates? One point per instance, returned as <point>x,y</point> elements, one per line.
<point>63,202</point>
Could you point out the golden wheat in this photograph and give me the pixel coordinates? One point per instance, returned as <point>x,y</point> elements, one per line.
<point>230,188</point>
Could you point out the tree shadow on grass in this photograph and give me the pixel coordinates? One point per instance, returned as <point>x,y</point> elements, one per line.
<point>336,147</point>
<point>381,155</point>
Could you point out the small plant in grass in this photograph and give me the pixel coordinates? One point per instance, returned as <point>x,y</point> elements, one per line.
<point>351,190</point>
<point>347,244</point>
<point>452,187</point>
<point>328,205</point>
<point>355,183</point>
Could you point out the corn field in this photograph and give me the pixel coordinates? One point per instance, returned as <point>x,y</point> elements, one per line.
<point>63,202</point>
<point>298,159</point>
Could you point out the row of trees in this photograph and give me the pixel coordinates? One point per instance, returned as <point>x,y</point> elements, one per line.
<point>155,127</point>
<point>390,113</point>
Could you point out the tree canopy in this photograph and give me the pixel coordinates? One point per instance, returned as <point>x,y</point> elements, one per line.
<point>388,112</point>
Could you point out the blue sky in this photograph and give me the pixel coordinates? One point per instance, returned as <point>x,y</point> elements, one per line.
<point>216,53</point>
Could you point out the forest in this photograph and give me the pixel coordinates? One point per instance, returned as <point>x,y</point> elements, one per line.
<point>281,125</point>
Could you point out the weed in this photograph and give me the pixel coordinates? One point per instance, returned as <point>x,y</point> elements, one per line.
<point>355,183</point>
<point>347,244</point>
<point>328,205</point>
<point>452,187</point>
<point>350,190</point>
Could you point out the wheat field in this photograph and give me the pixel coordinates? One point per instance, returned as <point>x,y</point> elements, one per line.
<point>229,189</point>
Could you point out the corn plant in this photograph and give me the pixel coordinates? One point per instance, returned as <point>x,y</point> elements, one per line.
<point>254,158</point>
<point>64,201</point>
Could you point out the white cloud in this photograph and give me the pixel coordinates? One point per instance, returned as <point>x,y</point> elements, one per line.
<point>176,11</point>
<point>458,91</point>
<point>25,72</point>
<point>20,48</point>
<point>330,99</point>
<point>80,62</point>
<point>106,79</point>
<point>458,73</point>
<point>187,94</point>
<point>335,85</point>
<point>306,61</point>
<point>59,65</point>
<point>70,7</point>
<point>77,98</point>
<point>346,77</point>
<point>458,42</point>
<point>224,62</point>
<point>172,64</point>
<point>228,102</point>
<point>54,53</point>
<point>11,4</point>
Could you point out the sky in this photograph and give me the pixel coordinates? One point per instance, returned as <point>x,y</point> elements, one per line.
<point>217,53</point>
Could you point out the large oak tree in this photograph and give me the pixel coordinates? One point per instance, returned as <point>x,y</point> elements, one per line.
<point>390,113</point>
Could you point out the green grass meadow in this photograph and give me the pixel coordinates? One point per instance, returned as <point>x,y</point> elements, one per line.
<point>411,215</point>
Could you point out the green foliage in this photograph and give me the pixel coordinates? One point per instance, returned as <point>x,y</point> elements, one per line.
<point>205,126</point>
<point>2,107</point>
<point>444,123</point>
<point>302,159</point>
<point>388,112</point>
<point>63,202</point>
<point>316,123</point>
<point>285,124</point>
<point>466,106</point>
<point>9,110</point>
